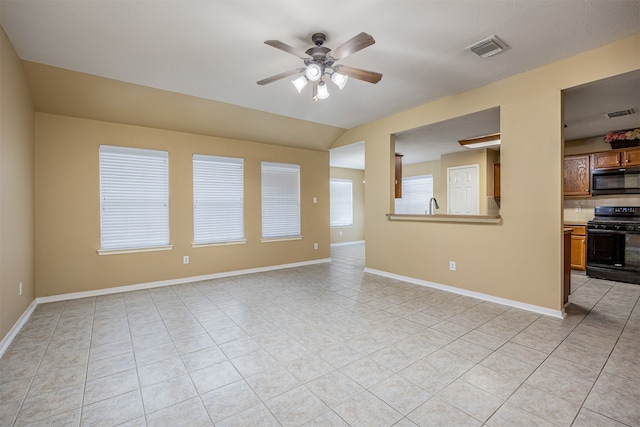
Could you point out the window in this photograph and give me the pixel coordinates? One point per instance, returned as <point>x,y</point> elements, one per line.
<point>341,203</point>
<point>218,199</point>
<point>280,200</point>
<point>416,192</point>
<point>134,198</point>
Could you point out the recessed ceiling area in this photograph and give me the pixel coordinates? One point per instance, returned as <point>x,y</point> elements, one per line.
<point>429,142</point>
<point>586,106</point>
<point>348,157</point>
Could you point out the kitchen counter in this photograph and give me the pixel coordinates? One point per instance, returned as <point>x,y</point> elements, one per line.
<point>468,219</point>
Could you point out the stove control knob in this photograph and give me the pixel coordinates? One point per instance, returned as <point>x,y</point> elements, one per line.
<point>618,226</point>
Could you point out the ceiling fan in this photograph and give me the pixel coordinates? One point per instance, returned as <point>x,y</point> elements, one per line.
<point>320,63</point>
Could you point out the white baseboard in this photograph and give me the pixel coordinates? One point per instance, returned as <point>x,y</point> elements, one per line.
<point>171,282</point>
<point>560,314</point>
<point>6,341</point>
<point>355,242</point>
<point>13,332</point>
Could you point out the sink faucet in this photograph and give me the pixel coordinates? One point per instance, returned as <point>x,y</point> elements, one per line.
<point>433,205</point>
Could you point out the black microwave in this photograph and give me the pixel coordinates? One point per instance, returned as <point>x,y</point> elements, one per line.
<point>615,181</point>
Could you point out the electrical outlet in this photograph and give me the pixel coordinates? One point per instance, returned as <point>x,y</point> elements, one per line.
<point>578,208</point>
<point>315,246</point>
<point>452,265</point>
<point>20,289</point>
<point>315,200</point>
<point>185,259</point>
<point>340,233</point>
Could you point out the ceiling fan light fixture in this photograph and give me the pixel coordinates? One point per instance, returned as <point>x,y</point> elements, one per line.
<point>340,80</point>
<point>323,92</point>
<point>313,72</point>
<point>300,83</point>
<point>481,141</point>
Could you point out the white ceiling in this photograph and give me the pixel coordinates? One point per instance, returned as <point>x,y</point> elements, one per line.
<point>214,49</point>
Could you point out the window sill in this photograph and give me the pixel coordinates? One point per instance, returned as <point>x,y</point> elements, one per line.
<point>206,245</point>
<point>281,239</point>
<point>134,250</point>
<point>464,219</point>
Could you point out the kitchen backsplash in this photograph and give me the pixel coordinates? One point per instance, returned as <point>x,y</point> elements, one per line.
<point>587,204</point>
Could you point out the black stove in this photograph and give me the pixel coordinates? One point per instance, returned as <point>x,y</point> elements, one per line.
<point>613,244</point>
<point>615,218</point>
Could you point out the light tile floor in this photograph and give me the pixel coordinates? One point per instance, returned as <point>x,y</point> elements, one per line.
<point>324,345</point>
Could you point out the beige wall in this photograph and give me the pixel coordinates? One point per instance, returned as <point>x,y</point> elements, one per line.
<point>67,220</point>
<point>520,259</point>
<point>586,145</point>
<point>16,189</point>
<point>355,233</point>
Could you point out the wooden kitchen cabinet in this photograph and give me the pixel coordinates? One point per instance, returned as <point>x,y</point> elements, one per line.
<point>577,171</point>
<point>631,157</point>
<point>496,181</point>
<point>578,246</point>
<point>607,159</point>
<point>398,173</point>
<point>616,158</point>
<point>566,267</point>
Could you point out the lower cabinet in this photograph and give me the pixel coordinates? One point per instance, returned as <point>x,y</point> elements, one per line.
<point>578,246</point>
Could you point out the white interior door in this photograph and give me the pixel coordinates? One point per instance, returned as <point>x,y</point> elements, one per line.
<point>462,190</point>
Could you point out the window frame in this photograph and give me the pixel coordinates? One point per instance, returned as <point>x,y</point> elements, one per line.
<point>121,201</point>
<point>275,208</point>
<point>218,182</point>
<point>334,223</point>
<point>402,204</point>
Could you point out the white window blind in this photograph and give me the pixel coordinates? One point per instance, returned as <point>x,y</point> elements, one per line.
<point>280,200</point>
<point>134,198</point>
<point>218,199</point>
<point>341,210</point>
<point>416,192</point>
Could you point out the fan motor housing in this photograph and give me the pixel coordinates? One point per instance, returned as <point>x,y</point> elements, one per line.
<point>318,39</point>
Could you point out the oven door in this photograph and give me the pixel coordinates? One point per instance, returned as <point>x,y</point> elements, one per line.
<point>614,249</point>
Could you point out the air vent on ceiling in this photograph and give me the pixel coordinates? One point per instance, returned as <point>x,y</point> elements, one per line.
<point>487,47</point>
<point>620,113</point>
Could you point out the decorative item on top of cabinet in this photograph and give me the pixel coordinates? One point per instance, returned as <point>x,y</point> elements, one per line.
<point>398,184</point>
<point>577,175</point>
<point>496,181</point>
<point>578,246</point>
<point>616,158</point>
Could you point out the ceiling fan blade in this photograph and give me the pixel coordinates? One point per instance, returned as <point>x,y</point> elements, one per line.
<point>357,73</point>
<point>280,76</point>
<point>289,49</point>
<point>352,45</point>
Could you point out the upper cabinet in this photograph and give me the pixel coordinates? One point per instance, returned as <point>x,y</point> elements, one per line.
<point>577,175</point>
<point>631,157</point>
<point>617,158</point>
<point>398,173</point>
<point>496,181</point>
